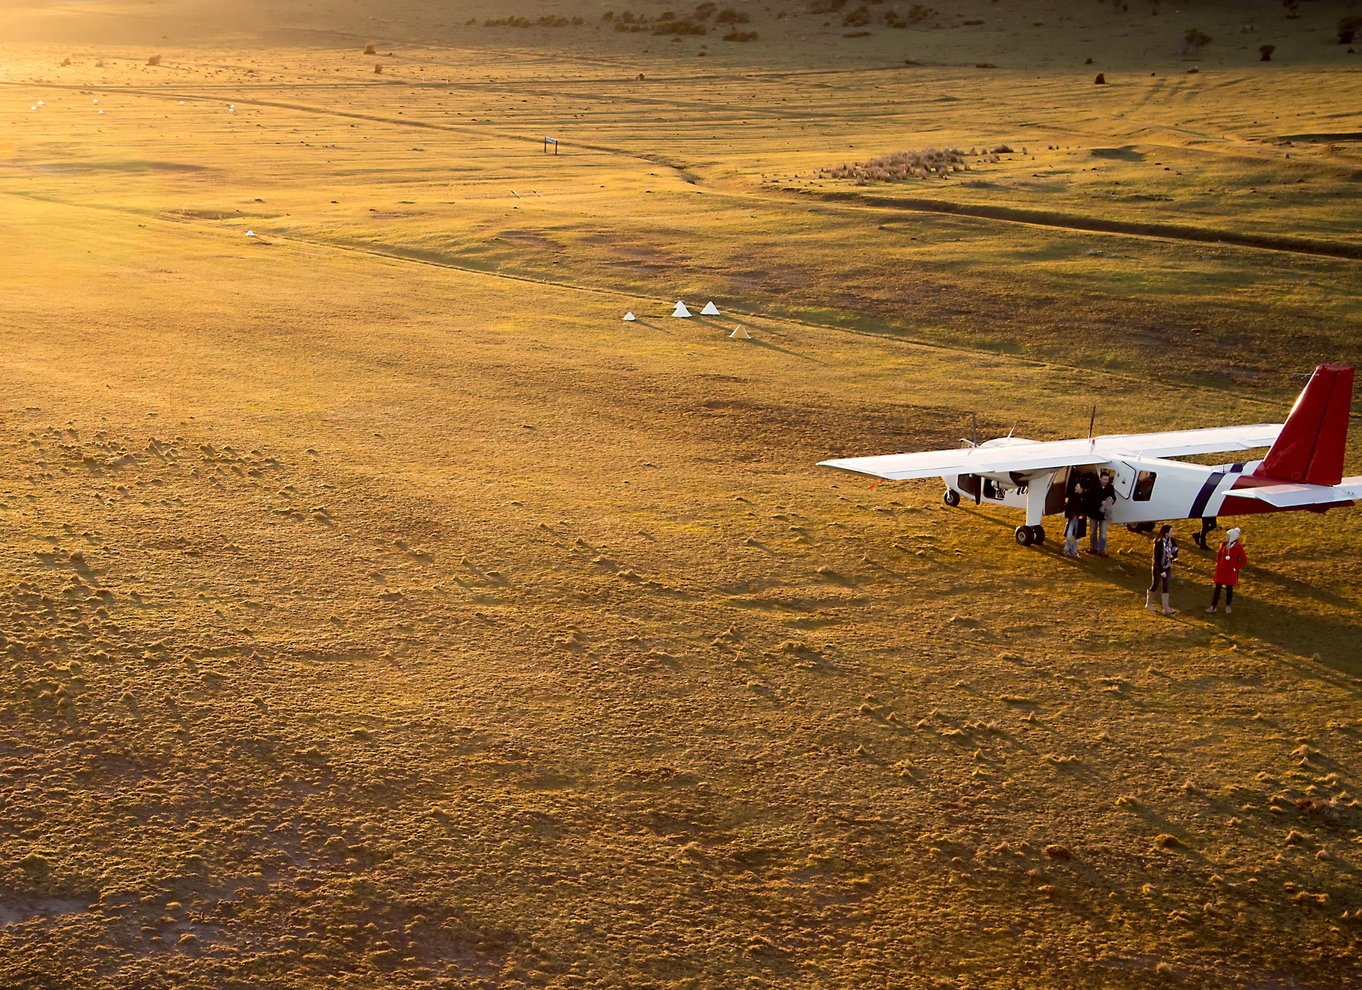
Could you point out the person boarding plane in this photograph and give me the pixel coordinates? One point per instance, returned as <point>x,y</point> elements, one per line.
<point>1303,468</point>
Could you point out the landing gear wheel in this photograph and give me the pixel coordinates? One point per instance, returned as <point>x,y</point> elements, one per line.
<point>1025,536</point>
<point>1038,534</point>
<point>951,498</point>
<point>1140,527</point>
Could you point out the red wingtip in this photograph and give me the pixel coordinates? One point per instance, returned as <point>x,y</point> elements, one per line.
<point>1311,445</point>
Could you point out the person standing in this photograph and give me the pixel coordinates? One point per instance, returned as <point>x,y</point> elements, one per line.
<point>1229,561</point>
<point>1102,502</point>
<point>1165,552</point>
<point>1074,515</point>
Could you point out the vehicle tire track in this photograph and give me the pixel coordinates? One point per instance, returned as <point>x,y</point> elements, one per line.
<point>1100,225</point>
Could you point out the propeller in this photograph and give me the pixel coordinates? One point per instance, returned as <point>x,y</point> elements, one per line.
<point>974,430</point>
<point>979,482</point>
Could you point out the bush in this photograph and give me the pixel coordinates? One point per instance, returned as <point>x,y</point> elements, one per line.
<point>1265,52</point>
<point>369,49</point>
<point>730,16</point>
<point>154,60</point>
<point>679,27</point>
<point>858,17</point>
<point>1348,28</point>
<point>1193,40</point>
<point>741,36</point>
<point>826,6</point>
<point>901,166</point>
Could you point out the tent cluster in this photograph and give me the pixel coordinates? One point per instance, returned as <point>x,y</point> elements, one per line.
<point>680,311</point>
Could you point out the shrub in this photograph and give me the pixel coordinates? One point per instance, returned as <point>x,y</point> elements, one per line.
<point>858,17</point>
<point>900,166</point>
<point>679,27</point>
<point>826,6</point>
<point>1193,40</point>
<point>1265,52</point>
<point>1100,79</point>
<point>1348,28</point>
<point>369,49</point>
<point>154,60</point>
<point>741,36</point>
<point>730,16</point>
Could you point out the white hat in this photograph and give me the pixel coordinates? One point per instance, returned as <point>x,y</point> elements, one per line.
<point>1232,535</point>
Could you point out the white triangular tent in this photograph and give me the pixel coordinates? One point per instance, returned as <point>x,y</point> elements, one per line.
<point>710,309</point>
<point>739,333</point>
<point>629,317</point>
<point>681,311</point>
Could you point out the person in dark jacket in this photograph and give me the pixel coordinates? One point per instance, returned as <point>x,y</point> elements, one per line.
<point>1229,561</point>
<point>1102,499</point>
<point>1165,552</point>
<point>1074,516</point>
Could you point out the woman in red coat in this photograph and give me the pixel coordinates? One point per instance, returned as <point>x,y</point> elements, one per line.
<point>1229,561</point>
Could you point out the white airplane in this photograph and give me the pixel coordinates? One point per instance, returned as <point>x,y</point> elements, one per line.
<point>1303,468</point>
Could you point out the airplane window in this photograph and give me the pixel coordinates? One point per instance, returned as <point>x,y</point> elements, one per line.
<point>1144,486</point>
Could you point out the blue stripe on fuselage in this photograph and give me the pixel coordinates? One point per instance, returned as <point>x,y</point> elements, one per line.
<point>1204,496</point>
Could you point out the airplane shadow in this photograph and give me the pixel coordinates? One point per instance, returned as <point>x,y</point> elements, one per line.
<point>639,321</point>
<point>1325,642</point>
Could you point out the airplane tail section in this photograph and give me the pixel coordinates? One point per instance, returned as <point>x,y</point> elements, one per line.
<point>1311,445</point>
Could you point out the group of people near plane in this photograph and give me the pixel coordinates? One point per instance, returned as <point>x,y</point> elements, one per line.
<point>1229,561</point>
<point>1087,509</point>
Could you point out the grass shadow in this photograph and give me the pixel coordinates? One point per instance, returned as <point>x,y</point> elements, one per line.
<point>1303,633</point>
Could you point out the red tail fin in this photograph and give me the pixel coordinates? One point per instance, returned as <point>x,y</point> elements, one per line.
<point>1310,446</point>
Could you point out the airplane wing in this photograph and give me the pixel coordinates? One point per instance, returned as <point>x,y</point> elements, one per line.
<point>1291,496</point>
<point>1022,456</point>
<point>1179,443</point>
<point>1031,456</point>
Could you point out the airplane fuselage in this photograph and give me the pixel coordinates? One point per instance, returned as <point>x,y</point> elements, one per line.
<point>1147,489</point>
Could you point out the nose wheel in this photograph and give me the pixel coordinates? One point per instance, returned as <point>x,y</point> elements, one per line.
<point>1030,535</point>
<point>951,498</point>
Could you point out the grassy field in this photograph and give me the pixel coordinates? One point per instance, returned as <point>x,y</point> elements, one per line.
<point>380,610</point>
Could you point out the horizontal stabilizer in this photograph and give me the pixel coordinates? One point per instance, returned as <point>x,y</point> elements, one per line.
<point>1294,496</point>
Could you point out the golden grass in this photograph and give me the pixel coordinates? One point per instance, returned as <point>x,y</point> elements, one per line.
<point>380,610</point>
